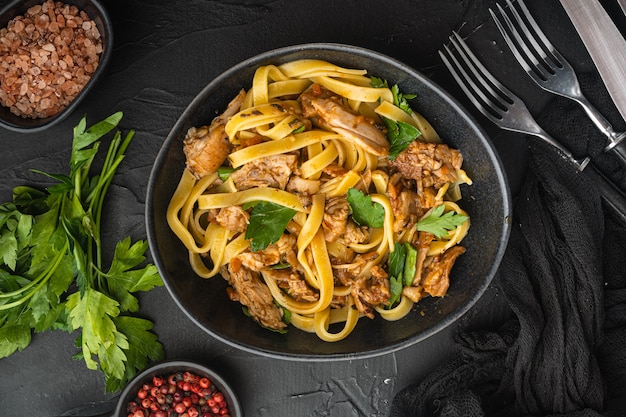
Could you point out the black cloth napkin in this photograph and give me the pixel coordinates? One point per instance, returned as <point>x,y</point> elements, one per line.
<point>563,351</point>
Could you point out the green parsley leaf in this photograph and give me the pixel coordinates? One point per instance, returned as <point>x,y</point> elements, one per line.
<point>439,223</point>
<point>14,337</point>
<point>124,280</point>
<point>400,135</point>
<point>402,266</point>
<point>50,240</point>
<point>399,99</point>
<point>397,260</point>
<point>224,172</point>
<point>395,290</point>
<point>378,82</point>
<point>410,264</point>
<point>143,348</point>
<point>364,211</point>
<point>286,315</point>
<point>267,223</point>
<point>93,312</point>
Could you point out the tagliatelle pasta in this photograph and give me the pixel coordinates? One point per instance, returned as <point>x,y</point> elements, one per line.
<point>322,198</point>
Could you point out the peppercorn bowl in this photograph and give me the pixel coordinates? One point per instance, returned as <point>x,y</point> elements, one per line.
<point>195,388</point>
<point>51,55</point>
<point>487,200</point>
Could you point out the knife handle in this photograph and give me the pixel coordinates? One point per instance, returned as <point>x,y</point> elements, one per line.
<point>612,195</point>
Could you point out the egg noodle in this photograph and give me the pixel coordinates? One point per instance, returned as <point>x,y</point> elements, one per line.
<point>212,247</point>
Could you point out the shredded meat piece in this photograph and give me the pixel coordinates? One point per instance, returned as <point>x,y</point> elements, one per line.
<point>272,171</point>
<point>347,273</point>
<point>436,275</point>
<point>248,289</point>
<point>339,301</point>
<point>284,250</point>
<point>334,171</point>
<point>423,244</point>
<point>335,218</point>
<point>355,234</point>
<point>431,164</point>
<point>294,283</point>
<point>403,202</point>
<point>233,218</point>
<point>258,261</point>
<point>207,147</point>
<point>327,111</point>
<point>303,186</point>
<point>369,292</point>
<point>414,293</point>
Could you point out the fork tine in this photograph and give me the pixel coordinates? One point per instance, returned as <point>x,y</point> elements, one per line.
<point>532,50</point>
<point>522,54</point>
<point>556,56</point>
<point>491,98</point>
<point>499,97</point>
<point>545,65</point>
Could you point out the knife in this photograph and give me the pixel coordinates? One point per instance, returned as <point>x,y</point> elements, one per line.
<point>607,48</point>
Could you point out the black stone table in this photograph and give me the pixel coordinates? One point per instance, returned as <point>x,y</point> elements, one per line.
<point>165,52</point>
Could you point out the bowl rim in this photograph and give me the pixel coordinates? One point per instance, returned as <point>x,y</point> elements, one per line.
<point>162,367</point>
<point>464,114</point>
<point>48,122</point>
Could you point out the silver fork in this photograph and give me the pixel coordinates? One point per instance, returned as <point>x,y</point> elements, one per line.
<point>509,112</point>
<point>549,69</point>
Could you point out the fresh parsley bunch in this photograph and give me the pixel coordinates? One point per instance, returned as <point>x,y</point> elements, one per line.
<point>52,274</point>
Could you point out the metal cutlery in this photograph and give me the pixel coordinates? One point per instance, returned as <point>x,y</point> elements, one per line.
<point>548,68</point>
<point>605,44</point>
<point>509,112</point>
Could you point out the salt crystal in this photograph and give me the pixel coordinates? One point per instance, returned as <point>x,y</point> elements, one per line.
<point>34,10</point>
<point>47,56</point>
<point>18,26</point>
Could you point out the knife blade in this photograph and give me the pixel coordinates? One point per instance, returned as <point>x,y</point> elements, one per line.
<point>605,44</point>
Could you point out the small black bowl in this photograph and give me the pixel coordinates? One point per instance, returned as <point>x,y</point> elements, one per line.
<point>99,15</point>
<point>169,367</point>
<point>487,201</point>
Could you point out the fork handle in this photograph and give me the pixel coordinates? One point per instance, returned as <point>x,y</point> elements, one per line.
<point>612,195</point>
<point>617,141</point>
<point>618,148</point>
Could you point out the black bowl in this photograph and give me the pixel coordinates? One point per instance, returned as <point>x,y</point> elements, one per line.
<point>99,15</point>
<point>169,367</point>
<point>487,201</point>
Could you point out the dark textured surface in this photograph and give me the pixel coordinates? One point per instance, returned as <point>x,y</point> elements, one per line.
<point>165,52</point>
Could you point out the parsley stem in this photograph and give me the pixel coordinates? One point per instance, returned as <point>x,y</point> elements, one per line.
<point>39,281</point>
<point>115,155</point>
